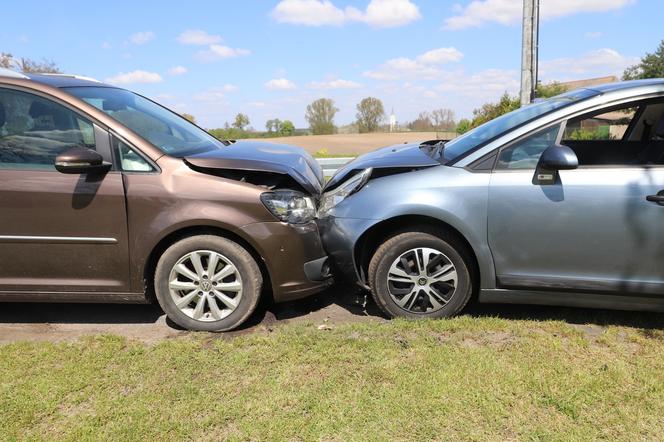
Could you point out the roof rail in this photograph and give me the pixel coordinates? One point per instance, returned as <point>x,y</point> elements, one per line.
<point>78,77</point>
<point>4,72</point>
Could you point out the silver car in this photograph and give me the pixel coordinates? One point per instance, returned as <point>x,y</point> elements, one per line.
<point>560,203</point>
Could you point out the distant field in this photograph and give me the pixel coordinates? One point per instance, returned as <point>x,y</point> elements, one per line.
<point>352,144</point>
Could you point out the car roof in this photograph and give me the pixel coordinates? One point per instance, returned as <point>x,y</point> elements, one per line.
<point>54,80</point>
<point>624,85</point>
<point>65,80</point>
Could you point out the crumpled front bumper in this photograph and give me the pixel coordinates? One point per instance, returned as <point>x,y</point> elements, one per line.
<point>294,256</point>
<point>340,235</point>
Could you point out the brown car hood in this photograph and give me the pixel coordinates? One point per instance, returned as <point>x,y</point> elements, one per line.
<point>264,157</point>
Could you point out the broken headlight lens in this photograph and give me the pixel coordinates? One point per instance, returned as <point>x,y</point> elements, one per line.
<point>344,190</point>
<point>290,206</point>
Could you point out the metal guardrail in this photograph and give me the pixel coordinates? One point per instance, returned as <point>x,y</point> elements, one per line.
<point>331,165</point>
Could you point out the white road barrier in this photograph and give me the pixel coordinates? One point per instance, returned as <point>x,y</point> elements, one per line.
<point>331,165</point>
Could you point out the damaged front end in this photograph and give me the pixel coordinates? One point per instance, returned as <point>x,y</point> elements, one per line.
<point>268,165</point>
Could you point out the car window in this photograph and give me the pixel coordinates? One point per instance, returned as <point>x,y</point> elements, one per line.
<point>34,130</point>
<point>525,154</point>
<point>606,126</point>
<point>167,131</point>
<point>129,160</point>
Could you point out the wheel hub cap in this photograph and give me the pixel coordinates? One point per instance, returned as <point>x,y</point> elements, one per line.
<point>422,280</point>
<point>205,285</point>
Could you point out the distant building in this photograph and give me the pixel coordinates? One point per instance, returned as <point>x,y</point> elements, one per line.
<point>393,122</point>
<point>576,84</point>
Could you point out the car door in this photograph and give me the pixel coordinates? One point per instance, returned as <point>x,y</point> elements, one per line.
<point>59,233</point>
<point>593,229</point>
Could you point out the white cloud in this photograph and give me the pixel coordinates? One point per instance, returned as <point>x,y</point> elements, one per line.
<point>379,13</point>
<point>141,38</point>
<point>333,83</point>
<point>198,37</point>
<point>387,13</point>
<point>507,12</point>
<point>106,45</point>
<point>440,55</point>
<point>484,84</point>
<point>137,76</point>
<point>424,66</point>
<point>280,84</point>
<point>177,70</point>
<point>216,93</point>
<point>595,63</point>
<point>218,52</point>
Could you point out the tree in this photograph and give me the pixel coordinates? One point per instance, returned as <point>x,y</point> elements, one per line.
<point>370,114</point>
<point>287,128</point>
<point>463,126</point>
<point>489,111</point>
<point>443,119</point>
<point>8,61</point>
<point>273,125</point>
<point>422,122</point>
<point>189,117</point>
<point>550,90</point>
<point>320,116</point>
<point>241,120</point>
<point>650,66</point>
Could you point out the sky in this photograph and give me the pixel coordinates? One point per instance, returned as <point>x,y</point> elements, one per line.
<point>270,58</point>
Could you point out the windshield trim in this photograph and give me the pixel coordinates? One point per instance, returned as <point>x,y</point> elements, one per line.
<point>587,94</point>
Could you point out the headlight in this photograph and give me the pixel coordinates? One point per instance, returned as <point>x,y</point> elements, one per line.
<point>349,187</point>
<point>289,206</point>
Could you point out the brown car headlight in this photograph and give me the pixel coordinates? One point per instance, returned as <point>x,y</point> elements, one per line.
<point>290,206</point>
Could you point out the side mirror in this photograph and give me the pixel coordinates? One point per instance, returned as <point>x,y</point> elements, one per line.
<point>558,157</point>
<point>80,160</point>
<point>552,160</point>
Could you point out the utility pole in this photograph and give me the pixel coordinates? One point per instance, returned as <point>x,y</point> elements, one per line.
<point>529,50</point>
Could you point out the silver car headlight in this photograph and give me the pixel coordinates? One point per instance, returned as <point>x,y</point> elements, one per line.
<point>344,190</point>
<point>290,206</point>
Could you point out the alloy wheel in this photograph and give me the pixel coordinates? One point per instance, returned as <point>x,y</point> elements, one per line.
<point>422,280</point>
<point>205,285</point>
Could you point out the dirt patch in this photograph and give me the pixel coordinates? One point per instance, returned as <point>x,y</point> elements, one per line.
<point>147,323</point>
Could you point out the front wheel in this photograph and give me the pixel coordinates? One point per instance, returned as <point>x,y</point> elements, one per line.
<point>420,275</point>
<point>207,283</point>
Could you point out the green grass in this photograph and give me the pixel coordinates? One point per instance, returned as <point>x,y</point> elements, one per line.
<point>323,153</point>
<point>466,378</point>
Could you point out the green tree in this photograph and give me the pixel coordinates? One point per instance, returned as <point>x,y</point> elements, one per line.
<point>287,128</point>
<point>320,116</point>
<point>189,117</point>
<point>489,111</point>
<point>370,113</point>
<point>463,126</point>
<point>273,125</point>
<point>650,66</point>
<point>550,90</point>
<point>241,121</point>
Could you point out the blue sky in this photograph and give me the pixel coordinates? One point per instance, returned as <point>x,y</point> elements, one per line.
<point>269,59</point>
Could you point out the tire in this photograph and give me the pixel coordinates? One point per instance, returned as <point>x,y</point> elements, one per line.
<point>406,286</point>
<point>182,275</point>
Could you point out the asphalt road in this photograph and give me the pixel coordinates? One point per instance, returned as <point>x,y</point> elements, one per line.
<point>338,305</point>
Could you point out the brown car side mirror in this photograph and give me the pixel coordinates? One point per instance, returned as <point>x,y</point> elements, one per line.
<point>80,160</point>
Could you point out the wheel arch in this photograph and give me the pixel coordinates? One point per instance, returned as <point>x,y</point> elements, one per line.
<point>189,231</point>
<point>372,238</point>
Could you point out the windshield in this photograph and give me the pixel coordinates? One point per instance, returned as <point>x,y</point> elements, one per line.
<point>168,131</point>
<point>481,135</point>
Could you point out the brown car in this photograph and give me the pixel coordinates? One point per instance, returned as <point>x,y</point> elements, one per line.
<point>106,196</point>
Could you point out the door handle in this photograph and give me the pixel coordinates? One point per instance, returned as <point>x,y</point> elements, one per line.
<point>659,198</point>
